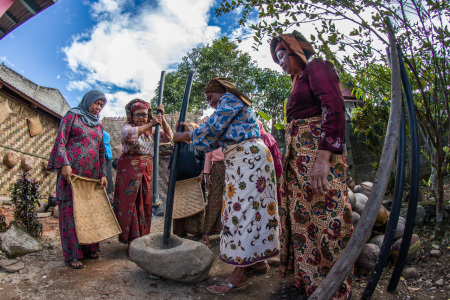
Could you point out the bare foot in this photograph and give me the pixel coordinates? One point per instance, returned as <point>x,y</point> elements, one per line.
<point>260,267</point>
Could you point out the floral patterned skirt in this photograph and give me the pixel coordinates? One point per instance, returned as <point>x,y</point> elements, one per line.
<point>315,228</point>
<point>249,210</point>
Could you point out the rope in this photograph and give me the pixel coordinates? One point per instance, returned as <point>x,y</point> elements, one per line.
<point>23,152</point>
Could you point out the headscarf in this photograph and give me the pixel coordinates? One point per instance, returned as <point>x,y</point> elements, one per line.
<point>268,139</point>
<point>83,108</point>
<point>135,105</point>
<point>297,47</point>
<point>224,85</point>
<point>106,140</point>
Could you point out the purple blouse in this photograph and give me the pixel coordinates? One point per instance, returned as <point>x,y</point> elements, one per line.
<point>317,92</point>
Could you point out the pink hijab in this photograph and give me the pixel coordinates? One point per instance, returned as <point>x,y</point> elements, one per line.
<point>268,139</point>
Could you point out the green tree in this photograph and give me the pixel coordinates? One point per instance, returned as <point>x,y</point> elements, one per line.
<point>272,90</point>
<point>268,89</point>
<point>221,59</point>
<point>422,33</point>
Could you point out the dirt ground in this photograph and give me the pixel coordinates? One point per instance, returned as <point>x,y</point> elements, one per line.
<point>114,276</point>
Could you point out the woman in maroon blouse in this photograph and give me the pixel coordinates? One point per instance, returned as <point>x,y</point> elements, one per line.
<point>316,218</point>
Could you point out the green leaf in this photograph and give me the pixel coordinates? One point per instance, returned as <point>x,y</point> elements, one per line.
<point>264,116</point>
<point>279,126</point>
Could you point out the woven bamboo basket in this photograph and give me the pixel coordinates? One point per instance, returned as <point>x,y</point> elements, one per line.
<point>4,111</point>
<point>34,125</point>
<point>94,218</point>
<point>188,199</point>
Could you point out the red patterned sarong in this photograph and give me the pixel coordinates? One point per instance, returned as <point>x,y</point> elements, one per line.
<point>315,228</point>
<point>133,196</point>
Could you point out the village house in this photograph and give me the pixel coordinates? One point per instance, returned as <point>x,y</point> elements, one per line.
<point>29,120</point>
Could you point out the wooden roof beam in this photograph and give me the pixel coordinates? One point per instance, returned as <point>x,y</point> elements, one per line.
<point>31,5</point>
<point>10,17</point>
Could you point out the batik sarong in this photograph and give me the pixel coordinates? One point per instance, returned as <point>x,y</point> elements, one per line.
<point>213,223</point>
<point>250,210</point>
<point>133,195</point>
<point>315,228</point>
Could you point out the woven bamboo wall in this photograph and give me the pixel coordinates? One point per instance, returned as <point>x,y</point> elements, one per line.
<point>113,125</point>
<point>14,136</point>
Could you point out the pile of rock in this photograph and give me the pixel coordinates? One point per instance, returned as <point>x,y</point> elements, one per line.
<point>358,198</point>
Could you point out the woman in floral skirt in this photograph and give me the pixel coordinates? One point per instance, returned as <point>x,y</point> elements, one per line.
<point>316,218</point>
<point>249,211</point>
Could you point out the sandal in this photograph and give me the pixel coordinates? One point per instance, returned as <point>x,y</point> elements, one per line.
<point>207,244</point>
<point>231,287</point>
<point>73,264</point>
<point>91,255</point>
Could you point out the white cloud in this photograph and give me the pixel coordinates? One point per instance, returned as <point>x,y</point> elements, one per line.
<point>129,50</point>
<point>78,85</point>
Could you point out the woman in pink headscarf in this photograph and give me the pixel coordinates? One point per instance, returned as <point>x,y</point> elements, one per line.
<point>133,189</point>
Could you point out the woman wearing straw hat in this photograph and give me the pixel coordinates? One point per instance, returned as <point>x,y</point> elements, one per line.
<point>78,150</point>
<point>249,212</point>
<point>133,188</point>
<point>316,218</point>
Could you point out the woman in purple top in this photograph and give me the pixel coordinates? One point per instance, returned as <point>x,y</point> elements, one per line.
<point>316,218</point>
<point>78,150</point>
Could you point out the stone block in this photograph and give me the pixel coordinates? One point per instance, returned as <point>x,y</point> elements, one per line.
<point>184,261</point>
<point>16,242</point>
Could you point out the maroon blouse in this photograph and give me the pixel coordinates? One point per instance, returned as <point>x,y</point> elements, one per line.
<point>315,93</point>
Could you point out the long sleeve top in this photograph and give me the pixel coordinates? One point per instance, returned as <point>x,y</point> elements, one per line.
<point>232,122</point>
<point>133,143</point>
<point>216,155</point>
<point>317,92</point>
<point>79,146</point>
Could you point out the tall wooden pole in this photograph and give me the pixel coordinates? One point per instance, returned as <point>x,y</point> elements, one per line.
<point>155,174</point>
<point>173,166</point>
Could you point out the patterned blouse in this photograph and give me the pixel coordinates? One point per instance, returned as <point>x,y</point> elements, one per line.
<point>232,122</point>
<point>133,143</point>
<point>79,146</point>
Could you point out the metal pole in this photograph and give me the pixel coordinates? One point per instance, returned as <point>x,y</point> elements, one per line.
<point>155,174</point>
<point>173,166</point>
<point>385,249</point>
<point>414,181</point>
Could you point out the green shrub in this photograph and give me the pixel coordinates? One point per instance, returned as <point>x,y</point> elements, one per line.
<point>25,197</point>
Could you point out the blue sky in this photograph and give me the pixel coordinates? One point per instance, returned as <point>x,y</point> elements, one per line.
<point>117,46</point>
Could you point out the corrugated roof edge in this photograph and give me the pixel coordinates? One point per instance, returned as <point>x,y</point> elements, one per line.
<point>40,97</point>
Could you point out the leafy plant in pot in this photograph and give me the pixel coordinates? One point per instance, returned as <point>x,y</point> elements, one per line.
<point>25,197</point>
